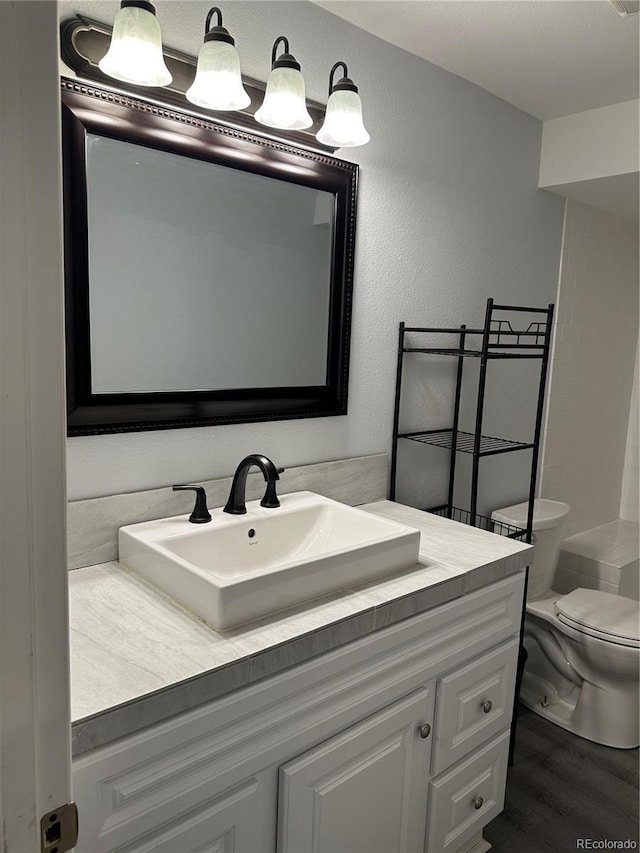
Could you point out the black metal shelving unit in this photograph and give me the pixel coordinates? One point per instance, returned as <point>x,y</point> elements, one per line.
<point>496,340</point>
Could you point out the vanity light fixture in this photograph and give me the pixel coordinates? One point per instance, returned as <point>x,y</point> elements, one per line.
<point>284,101</point>
<point>218,81</point>
<point>343,126</point>
<point>135,53</point>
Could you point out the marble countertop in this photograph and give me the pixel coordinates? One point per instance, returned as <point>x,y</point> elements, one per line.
<point>138,658</point>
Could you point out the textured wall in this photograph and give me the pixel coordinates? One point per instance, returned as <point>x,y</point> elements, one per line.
<point>592,369</point>
<point>449,214</point>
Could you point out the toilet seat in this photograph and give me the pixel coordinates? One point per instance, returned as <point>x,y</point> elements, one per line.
<point>608,617</point>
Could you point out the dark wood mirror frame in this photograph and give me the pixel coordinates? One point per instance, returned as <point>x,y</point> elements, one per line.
<point>91,109</point>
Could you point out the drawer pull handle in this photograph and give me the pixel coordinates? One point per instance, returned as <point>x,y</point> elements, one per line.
<point>425,730</point>
<point>477,803</point>
<point>487,705</point>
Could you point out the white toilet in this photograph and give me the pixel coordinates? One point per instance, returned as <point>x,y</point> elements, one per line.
<point>583,664</point>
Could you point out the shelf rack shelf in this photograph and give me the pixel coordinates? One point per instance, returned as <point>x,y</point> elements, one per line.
<point>465,441</point>
<point>498,339</point>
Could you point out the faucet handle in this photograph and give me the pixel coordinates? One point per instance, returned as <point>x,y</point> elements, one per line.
<point>200,514</point>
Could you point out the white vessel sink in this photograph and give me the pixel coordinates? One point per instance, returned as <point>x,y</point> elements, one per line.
<point>239,567</point>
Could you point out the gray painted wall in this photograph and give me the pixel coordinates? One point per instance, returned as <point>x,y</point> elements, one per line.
<point>449,213</point>
<point>592,370</point>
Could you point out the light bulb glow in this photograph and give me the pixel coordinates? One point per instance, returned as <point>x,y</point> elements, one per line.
<point>343,126</point>
<point>218,82</point>
<point>284,103</point>
<point>135,53</point>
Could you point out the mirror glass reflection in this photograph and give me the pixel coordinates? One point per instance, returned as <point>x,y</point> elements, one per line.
<point>202,276</point>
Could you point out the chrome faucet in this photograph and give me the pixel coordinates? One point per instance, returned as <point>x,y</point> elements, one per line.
<point>236,503</point>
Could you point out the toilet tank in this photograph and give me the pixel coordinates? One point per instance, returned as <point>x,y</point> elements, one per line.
<point>549,524</point>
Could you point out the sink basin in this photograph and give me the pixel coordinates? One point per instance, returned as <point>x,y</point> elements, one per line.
<point>240,567</point>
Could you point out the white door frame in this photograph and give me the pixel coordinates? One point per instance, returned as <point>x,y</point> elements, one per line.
<point>34,657</point>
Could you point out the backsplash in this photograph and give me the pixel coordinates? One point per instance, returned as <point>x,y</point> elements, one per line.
<point>92,525</point>
<point>605,558</point>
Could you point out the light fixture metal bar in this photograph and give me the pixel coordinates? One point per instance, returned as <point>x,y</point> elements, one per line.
<point>84,41</point>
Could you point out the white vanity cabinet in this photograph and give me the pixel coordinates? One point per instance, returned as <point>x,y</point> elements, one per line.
<point>393,743</point>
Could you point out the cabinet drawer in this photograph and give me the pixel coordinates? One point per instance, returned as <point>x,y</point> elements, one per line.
<point>464,800</point>
<point>474,703</point>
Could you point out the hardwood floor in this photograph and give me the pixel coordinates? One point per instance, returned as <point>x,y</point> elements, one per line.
<point>563,788</point>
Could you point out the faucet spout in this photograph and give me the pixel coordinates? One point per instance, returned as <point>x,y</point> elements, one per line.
<point>237,496</point>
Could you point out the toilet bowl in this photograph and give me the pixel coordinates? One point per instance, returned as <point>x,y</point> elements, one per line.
<point>583,664</point>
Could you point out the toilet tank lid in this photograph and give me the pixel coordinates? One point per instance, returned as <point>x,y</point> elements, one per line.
<point>605,612</point>
<point>546,514</point>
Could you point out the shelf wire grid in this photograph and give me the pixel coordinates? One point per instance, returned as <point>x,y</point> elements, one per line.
<point>465,441</point>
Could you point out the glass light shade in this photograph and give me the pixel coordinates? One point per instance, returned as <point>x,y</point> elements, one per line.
<point>284,101</point>
<point>135,54</point>
<point>343,126</point>
<point>218,83</point>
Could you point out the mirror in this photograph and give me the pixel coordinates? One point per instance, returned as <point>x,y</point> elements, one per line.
<point>220,279</point>
<point>208,270</point>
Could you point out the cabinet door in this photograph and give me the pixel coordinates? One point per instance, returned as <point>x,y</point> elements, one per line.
<point>365,790</point>
<point>227,825</point>
<point>135,815</point>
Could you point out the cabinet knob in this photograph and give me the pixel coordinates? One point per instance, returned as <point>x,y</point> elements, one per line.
<point>477,802</point>
<point>487,705</point>
<point>424,730</point>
